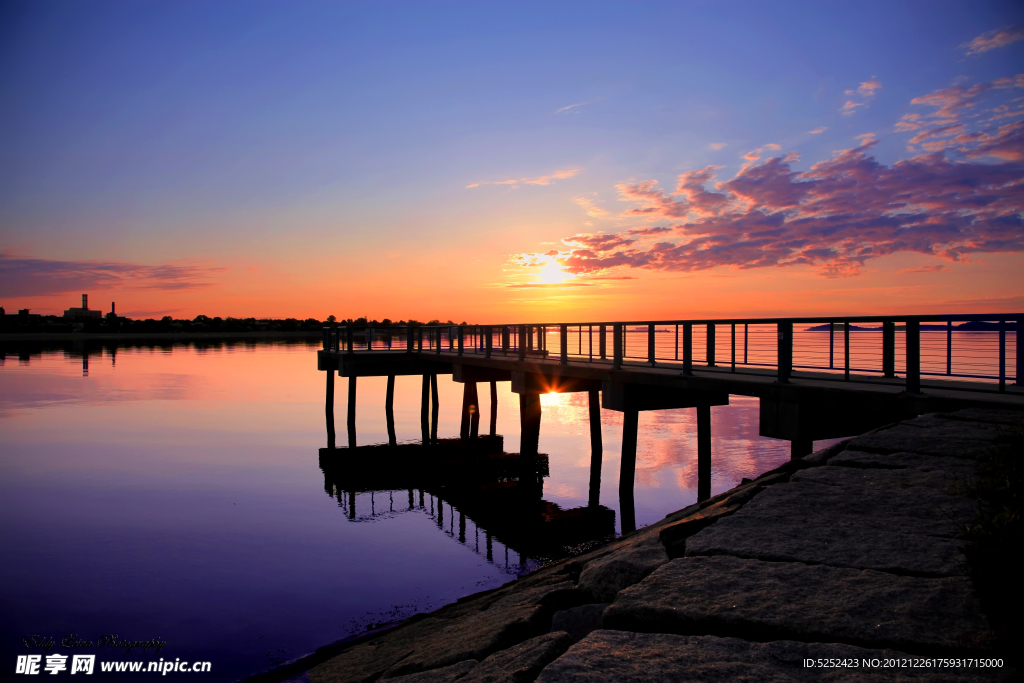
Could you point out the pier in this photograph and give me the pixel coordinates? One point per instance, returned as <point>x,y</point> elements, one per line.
<point>816,377</point>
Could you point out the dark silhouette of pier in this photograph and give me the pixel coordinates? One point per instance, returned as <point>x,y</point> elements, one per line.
<point>813,383</point>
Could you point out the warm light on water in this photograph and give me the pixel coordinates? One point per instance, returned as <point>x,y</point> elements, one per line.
<point>176,493</point>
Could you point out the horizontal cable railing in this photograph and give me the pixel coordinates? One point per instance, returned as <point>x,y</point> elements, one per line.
<point>977,347</point>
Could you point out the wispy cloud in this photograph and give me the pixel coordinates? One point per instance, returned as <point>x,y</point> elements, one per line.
<point>835,217</point>
<point>959,124</point>
<point>818,131</point>
<point>1000,37</point>
<point>574,108</point>
<point>539,180</point>
<point>593,210</point>
<point>717,145</point>
<point>38,277</point>
<point>935,268</point>
<point>860,97</point>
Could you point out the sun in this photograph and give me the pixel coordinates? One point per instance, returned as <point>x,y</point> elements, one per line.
<point>552,274</point>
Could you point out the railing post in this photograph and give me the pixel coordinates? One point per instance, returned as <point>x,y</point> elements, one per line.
<point>410,339</point>
<point>504,340</point>
<point>563,337</point>
<point>831,345</point>
<point>650,344</point>
<point>336,334</point>
<point>617,345</point>
<point>889,349</point>
<point>521,342</point>
<point>785,355</point>
<point>711,345</point>
<point>1002,355</point>
<point>488,341</point>
<point>369,339</point>
<point>1020,353</point>
<point>687,348</point>
<point>949,348</point>
<point>913,357</point>
<point>732,334</point>
<point>602,342</point>
<point>327,339</point>
<point>461,338</point>
<point>846,350</point>
<point>437,349</point>
<point>349,338</point>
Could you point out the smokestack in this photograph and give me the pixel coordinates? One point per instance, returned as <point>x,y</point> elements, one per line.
<point>85,301</point>
<point>112,308</point>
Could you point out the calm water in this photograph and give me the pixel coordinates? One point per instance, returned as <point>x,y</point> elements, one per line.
<point>175,493</point>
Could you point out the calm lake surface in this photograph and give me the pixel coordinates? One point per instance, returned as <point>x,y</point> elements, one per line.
<point>175,493</point>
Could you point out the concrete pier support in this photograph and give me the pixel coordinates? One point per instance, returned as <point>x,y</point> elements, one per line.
<point>529,420</point>
<point>470,428</point>
<point>329,409</point>
<point>798,448</point>
<point>389,410</point>
<point>436,407</point>
<point>351,412</point>
<point>425,410</point>
<point>703,452</point>
<point>627,469</point>
<point>494,408</point>
<point>596,448</point>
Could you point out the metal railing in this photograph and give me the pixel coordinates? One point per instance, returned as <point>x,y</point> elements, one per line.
<point>980,347</point>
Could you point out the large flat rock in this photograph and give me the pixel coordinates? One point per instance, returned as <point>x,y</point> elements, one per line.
<point>952,469</point>
<point>618,657</point>
<point>755,600</point>
<point>932,435</point>
<point>905,531</point>
<point>469,630</point>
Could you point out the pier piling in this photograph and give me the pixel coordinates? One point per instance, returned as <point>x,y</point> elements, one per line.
<point>703,452</point>
<point>596,448</point>
<point>351,412</point>
<point>329,410</point>
<point>389,410</point>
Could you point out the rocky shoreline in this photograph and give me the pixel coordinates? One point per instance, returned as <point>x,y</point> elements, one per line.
<point>853,554</point>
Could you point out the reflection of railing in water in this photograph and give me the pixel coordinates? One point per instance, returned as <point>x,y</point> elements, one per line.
<point>499,494</point>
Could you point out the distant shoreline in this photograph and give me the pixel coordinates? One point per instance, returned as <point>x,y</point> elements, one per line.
<point>154,336</point>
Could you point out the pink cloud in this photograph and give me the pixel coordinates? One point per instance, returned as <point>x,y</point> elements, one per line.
<point>37,277</point>
<point>835,216</point>
<point>995,39</point>
<point>818,131</point>
<point>717,145</point>
<point>860,97</point>
<point>539,180</point>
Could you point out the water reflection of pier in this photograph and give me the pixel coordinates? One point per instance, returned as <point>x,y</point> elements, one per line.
<point>476,493</point>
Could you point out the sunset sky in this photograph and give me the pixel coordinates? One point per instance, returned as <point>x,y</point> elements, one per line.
<point>505,162</point>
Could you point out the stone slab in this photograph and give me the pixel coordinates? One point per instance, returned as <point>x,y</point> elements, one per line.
<point>446,674</point>
<point>931,435</point>
<point>907,531</point>
<point>579,621</point>
<point>521,663</point>
<point>619,657</point>
<point>732,597</point>
<point>627,563</point>
<point>1014,418</point>
<point>470,629</point>
<point>955,469</point>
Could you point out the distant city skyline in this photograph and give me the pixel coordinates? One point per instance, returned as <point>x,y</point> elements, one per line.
<point>503,162</point>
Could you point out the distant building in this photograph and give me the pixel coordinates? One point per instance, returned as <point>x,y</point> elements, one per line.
<point>84,311</point>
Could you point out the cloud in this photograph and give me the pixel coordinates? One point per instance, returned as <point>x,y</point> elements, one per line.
<point>935,268</point>
<point>539,180</point>
<point>574,108</point>
<point>836,216</point>
<point>818,131</point>
<point>717,145</point>
<point>860,97</point>
<point>958,124</point>
<point>592,209</point>
<point>38,277</point>
<point>994,39</point>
